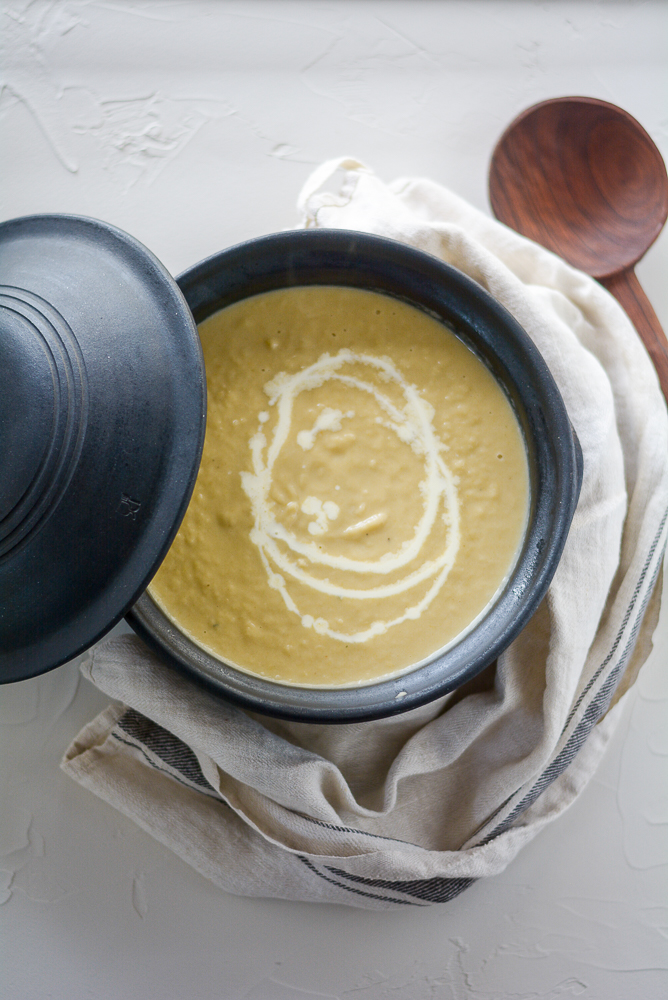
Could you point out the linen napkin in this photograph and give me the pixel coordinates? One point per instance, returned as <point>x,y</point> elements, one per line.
<point>412,809</point>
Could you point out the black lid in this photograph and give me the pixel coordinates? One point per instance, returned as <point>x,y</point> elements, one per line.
<point>102,418</point>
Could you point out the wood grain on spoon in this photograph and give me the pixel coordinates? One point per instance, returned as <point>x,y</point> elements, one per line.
<point>583,178</point>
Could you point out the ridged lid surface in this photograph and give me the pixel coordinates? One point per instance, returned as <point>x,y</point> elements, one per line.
<point>102,416</point>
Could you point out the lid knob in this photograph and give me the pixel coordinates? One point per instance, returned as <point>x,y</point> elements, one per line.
<point>42,411</point>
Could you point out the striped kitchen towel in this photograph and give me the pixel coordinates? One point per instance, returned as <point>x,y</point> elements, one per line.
<point>411,810</point>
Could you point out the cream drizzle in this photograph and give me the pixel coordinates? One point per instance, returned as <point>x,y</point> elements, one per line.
<point>413,426</point>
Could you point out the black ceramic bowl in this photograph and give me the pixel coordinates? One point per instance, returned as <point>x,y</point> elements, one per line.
<point>335,257</point>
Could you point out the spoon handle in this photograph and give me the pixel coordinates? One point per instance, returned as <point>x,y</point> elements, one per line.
<point>628,291</point>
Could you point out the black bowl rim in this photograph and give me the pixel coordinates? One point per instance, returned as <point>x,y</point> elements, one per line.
<point>555,462</point>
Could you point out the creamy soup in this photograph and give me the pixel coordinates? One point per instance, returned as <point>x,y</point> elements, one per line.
<point>362,495</point>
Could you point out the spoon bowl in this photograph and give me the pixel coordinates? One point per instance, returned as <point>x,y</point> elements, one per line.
<point>584,179</point>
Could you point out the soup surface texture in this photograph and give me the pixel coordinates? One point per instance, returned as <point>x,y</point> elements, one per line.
<point>362,494</point>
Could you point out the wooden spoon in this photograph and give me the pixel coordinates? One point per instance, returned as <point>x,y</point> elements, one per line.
<point>584,179</point>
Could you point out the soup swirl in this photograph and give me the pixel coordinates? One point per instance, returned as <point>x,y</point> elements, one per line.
<point>362,495</point>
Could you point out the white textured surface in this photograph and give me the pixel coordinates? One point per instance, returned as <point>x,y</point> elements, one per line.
<point>192,125</point>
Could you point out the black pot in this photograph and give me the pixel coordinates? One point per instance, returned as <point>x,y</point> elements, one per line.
<point>335,257</point>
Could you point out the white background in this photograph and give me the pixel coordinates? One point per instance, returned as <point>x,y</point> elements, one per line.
<point>193,126</point>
